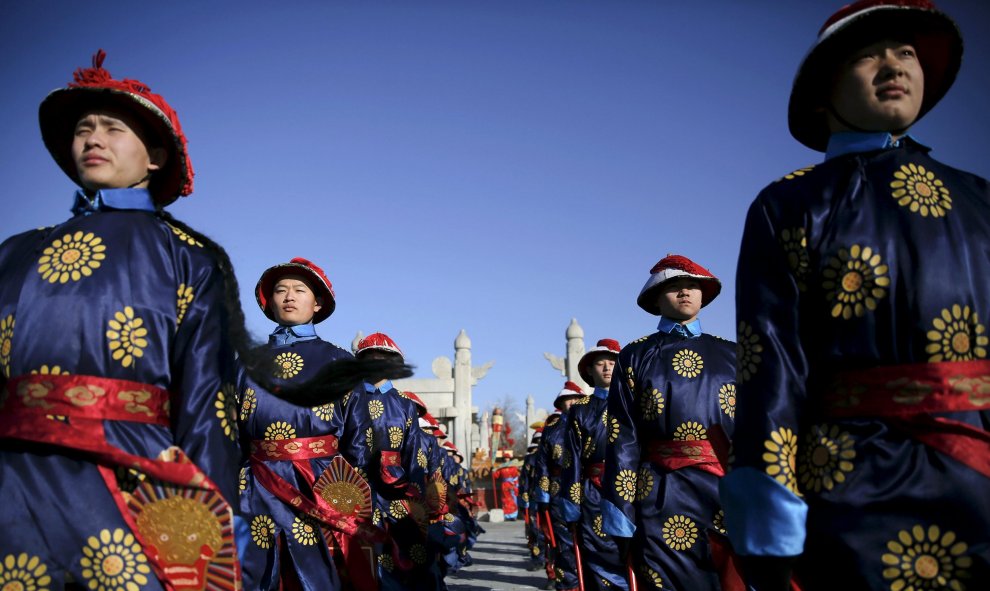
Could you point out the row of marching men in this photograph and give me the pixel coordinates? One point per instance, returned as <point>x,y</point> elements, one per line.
<point>619,486</point>
<point>360,493</point>
<point>120,392</point>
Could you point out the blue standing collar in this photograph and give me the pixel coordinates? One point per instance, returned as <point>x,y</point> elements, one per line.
<point>109,199</point>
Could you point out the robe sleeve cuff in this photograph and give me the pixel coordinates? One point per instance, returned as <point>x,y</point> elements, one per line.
<point>615,522</point>
<point>762,517</point>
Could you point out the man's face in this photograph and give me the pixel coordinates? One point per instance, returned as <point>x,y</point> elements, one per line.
<point>879,88</point>
<point>109,154</point>
<point>293,302</point>
<point>680,299</point>
<point>600,369</point>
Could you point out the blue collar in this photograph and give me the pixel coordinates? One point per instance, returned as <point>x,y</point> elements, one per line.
<point>286,335</point>
<point>370,388</point>
<point>856,142</point>
<point>109,199</point>
<point>668,326</point>
<point>600,393</point>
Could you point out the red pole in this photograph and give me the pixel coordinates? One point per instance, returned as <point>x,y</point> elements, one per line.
<point>577,557</point>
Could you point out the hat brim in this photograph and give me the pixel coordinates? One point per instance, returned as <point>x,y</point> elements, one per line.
<point>647,300</point>
<point>62,108</point>
<point>934,35</point>
<point>263,290</point>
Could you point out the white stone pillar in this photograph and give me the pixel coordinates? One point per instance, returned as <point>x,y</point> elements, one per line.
<point>575,350</point>
<point>462,392</point>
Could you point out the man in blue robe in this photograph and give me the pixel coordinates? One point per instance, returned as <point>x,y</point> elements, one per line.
<point>861,452</point>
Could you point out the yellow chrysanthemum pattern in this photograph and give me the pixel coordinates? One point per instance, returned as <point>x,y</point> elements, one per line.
<point>324,411</point>
<point>718,522</point>
<point>421,459</point>
<point>558,451</point>
<point>797,173</point>
<point>748,352</point>
<point>680,532</point>
<point>574,493</point>
<point>957,336</point>
<point>397,509</point>
<point>184,236</point>
<point>249,402</point>
<point>588,448</point>
<point>920,191</point>
<point>613,429</point>
<point>386,562</point>
<point>23,572</point>
<point>280,430</point>
<point>625,484</point>
<point>72,257</point>
<point>652,404</point>
<point>690,431</point>
<point>183,300</point>
<point>226,410</point>
<point>596,526</point>
<point>418,553</point>
<point>288,365</point>
<point>544,484</point>
<point>6,343</point>
<point>727,399</point>
<point>794,242</point>
<point>114,561</point>
<point>395,437</point>
<point>242,479</point>
<point>45,370</point>
<point>630,379</point>
<point>369,438</point>
<point>926,559</point>
<point>644,483</point>
<point>263,531</point>
<point>305,530</point>
<point>779,456</point>
<point>855,280</point>
<point>826,458</point>
<point>651,576</point>
<point>126,336</point>
<point>554,487</point>
<point>687,363</point>
<point>376,408</point>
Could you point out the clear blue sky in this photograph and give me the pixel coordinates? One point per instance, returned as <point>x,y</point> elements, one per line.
<point>498,166</point>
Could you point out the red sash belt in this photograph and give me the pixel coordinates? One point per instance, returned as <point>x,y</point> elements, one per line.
<point>30,411</point>
<point>674,455</point>
<point>310,502</point>
<point>88,397</point>
<point>907,395</point>
<point>299,448</point>
<point>593,472</point>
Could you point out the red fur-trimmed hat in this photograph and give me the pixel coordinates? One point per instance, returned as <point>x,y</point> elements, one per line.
<point>315,277</point>
<point>933,34</point>
<point>420,405</point>
<point>570,390</point>
<point>604,347</point>
<point>378,341</point>
<point>94,88</point>
<point>675,266</point>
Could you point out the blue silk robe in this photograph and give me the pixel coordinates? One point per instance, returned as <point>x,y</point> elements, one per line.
<point>284,540</point>
<point>867,261</point>
<point>580,494</point>
<point>117,294</point>
<point>553,460</point>
<point>667,390</point>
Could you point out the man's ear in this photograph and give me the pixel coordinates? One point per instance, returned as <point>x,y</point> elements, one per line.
<point>158,157</point>
<point>319,304</point>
